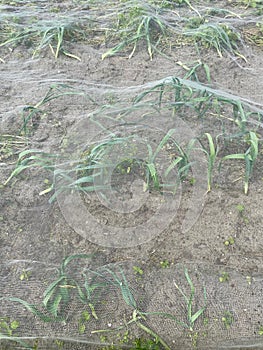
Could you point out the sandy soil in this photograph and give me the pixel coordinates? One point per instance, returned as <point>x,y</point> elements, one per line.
<point>35,235</point>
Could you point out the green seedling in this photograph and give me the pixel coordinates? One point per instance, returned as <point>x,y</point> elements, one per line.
<point>249,157</point>
<point>260,331</point>
<point>224,277</point>
<point>211,154</point>
<point>229,241</point>
<point>228,319</point>
<point>165,264</point>
<point>7,326</point>
<point>85,317</point>
<point>7,331</point>
<point>25,275</point>
<point>241,209</point>
<point>137,270</point>
<point>191,315</point>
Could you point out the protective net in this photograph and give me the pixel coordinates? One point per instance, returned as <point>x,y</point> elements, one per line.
<point>124,215</point>
<point>75,305</point>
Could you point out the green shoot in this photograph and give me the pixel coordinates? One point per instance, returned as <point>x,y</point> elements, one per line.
<point>228,319</point>
<point>192,316</point>
<point>224,277</point>
<point>120,282</point>
<point>57,295</point>
<point>52,34</point>
<point>31,159</point>
<point>55,91</point>
<point>211,154</point>
<point>249,157</point>
<point>192,73</point>
<point>221,37</point>
<point>137,270</point>
<point>148,27</point>
<point>181,161</point>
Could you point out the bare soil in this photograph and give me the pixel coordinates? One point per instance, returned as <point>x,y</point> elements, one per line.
<point>33,231</point>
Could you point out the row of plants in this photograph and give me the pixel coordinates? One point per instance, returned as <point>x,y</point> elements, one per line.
<point>241,132</point>
<point>157,24</point>
<point>91,289</point>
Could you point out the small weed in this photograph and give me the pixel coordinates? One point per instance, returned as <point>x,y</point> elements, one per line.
<point>85,316</point>
<point>229,241</point>
<point>165,264</point>
<point>256,4</point>
<point>7,326</point>
<point>194,338</point>
<point>59,344</point>
<point>249,280</point>
<point>137,270</point>
<point>7,331</point>
<point>240,208</point>
<point>260,331</point>
<point>224,277</point>
<point>136,344</point>
<point>192,181</point>
<point>254,34</point>
<point>228,319</point>
<point>241,212</point>
<point>124,338</point>
<point>25,275</point>
<point>146,344</point>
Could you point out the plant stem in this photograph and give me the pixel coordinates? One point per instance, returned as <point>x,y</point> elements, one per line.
<point>153,334</point>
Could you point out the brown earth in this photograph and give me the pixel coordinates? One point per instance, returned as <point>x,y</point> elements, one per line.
<point>36,235</point>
